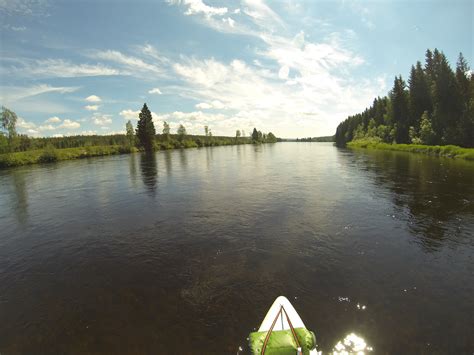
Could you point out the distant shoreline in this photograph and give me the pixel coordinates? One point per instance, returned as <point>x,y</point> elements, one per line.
<point>51,154</point>
<point>448,151</point>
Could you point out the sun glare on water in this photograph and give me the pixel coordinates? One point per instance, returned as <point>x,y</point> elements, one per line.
<point>352,344</point>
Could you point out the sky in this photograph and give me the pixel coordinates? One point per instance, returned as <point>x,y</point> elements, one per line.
<point>294,68</point>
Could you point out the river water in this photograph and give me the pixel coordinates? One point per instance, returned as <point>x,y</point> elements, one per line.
<point>184,251</point>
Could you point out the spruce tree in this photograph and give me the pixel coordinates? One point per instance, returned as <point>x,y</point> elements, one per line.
<point>255,135</point>
<point>146,129</point>
<point>466,93</point>
<point>420,95</point>
<point>399,98</point>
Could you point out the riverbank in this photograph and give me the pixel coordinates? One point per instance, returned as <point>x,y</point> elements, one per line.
<point>449,151</point>
<point>52,154</point>
<point>49,154</point>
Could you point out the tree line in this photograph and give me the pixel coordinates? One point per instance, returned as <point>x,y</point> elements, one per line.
<point>144,136</point>
<point>435,108</point>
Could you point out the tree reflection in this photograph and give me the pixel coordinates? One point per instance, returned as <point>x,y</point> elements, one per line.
<point>149,171</point>
<point>21,202</point>
<point>433,195</point>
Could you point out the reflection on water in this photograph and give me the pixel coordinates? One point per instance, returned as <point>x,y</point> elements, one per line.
<point>20,200</point>
<point>351,344</point>
<point>168,162</point>
<point>429,194</point>
<point>132,163</point>
<point>366,243</point>
<point>149,170</point>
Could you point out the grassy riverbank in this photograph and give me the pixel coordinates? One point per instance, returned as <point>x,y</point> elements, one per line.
<point>51,154</point>
<point>450,151</point>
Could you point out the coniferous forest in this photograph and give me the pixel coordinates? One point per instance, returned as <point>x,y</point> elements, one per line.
<point>435,107</point>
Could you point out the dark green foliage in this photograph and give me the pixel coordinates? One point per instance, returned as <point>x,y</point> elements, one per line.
<point>270,138</point>
<point>399,99</point>
<point>316,139</point>
<point>49,155</point>
<point>255,135</point>
<point>146,129</point>
<point>437,108</point>
<point>420,98</point>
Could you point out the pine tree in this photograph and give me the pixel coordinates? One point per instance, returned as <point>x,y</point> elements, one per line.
<point>146,129</point>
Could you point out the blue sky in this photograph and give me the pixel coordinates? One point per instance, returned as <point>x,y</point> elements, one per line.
<point>296,68</point>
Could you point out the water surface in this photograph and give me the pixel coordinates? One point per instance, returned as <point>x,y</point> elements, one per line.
<point>184,251</point>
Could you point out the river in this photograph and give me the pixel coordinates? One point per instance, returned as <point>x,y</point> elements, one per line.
<point>184,251</point>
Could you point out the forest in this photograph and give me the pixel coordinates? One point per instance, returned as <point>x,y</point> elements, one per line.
<point>435,107</point>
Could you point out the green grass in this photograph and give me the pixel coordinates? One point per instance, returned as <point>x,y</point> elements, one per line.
<point>49,154</point>
<point>449,151</point>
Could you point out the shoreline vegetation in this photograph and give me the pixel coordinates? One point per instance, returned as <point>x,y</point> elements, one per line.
<point>19,149</point>
<point>448,151</point>
<point>53,148</point>
<point>432,114</point>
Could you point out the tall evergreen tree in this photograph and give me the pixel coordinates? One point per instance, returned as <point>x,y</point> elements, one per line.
<point>420,95</point>
<point>399,98</point>
<point>146,129</point>
<point>254,135</point>
<point>466,93</point>
<point>447,110</point>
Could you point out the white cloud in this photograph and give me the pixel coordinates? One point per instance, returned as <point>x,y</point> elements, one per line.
<point>91,107</point>
<point>70,124</point>
<point>214,104</point>
<point>88,133</point>
<point>54,68</point>
<point>54,119</point>
<point>131,63</point>
<point>46,128</point>
<point>129,114</point>
<point>101,119</point>
<point>32,132</point>
<point>229,21</point>
<point>93,98</point>
<point>14,28</point>
<point>203,106</point>
<point>15,93</point>
<point>262,14</point>
<point>252,96</point>
<point>21,123</point>
<point>199,7</point>
<point>155,91</point>
<point>283,73</point>
<point>133,115</point>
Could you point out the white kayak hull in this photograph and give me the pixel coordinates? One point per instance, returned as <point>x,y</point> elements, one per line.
<point>282,323</point>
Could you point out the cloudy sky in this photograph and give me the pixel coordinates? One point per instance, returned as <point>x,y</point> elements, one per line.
<point>296,68</point>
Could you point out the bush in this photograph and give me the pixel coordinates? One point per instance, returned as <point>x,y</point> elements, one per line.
<point>49,155</point>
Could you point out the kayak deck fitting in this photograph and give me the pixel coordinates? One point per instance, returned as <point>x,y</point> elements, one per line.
<point>282,332</point>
